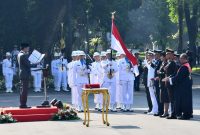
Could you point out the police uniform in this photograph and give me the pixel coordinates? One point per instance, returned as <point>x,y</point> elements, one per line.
<point>8,72</point>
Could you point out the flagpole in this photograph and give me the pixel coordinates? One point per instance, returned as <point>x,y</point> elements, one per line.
<point>113,17</point>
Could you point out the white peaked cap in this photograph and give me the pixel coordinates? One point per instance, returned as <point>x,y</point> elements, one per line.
<point>8,54</point>
<point>74,53</point>
<point>57,54</point>
<point>81,53</point>
<point>108,51</point>
<point>103,53</point>
<point>96,54</point>
<point>117,54</point>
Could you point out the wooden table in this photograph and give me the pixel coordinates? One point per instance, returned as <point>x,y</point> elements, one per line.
<point>106,101</point>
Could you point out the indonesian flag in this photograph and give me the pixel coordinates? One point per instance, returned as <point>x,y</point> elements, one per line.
<point>118,44</point>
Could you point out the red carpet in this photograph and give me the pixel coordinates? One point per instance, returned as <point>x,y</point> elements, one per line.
<point>32,114</point>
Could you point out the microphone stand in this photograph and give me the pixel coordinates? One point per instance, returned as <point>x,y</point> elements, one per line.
<point>45,103</point>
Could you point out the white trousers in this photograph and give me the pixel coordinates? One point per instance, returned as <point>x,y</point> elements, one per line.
<point>118,93</point>
<point>55,79</point>
<point>98,99</point>
<point>37,79</point>
<point>153,100</point>
<point>127,92</point>
<point>112,91</point>
<point>78,94</point>
<point>73,94</point>
<point>62,79</point>
<point>9,80</point>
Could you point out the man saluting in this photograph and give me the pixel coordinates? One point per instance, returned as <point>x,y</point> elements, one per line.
<point>24,73</point>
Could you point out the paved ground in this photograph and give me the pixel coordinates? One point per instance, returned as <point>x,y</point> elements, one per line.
<point>121,123</point>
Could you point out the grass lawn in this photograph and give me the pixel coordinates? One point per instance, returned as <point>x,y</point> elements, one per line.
<point>196,70</point>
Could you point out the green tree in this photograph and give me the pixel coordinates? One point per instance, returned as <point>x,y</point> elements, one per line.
<point>189,11</point>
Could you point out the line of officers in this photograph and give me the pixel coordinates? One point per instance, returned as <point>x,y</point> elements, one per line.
<point>161,95</point>
<point>116,75</point>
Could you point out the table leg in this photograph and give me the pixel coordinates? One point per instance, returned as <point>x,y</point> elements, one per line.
<point>107,104</point>
<point>87,106</point>
<point>84,106</point>
<point>103,108</point>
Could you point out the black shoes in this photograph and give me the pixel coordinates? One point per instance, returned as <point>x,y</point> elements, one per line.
<point>171,117</point>
<point>164,115</point>
<point>24,107</point>
<point>147,111</point>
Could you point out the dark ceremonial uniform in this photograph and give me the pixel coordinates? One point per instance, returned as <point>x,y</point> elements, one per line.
<point>164,97</point>
<point>182,83</point>
<point>137,78</point>
<point>24,75</point>
<point>171,70</point>
<point>158,64</point>
<point>145,73</point>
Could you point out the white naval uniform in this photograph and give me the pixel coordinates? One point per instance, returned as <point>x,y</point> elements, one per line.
<point>62,74</point>
<point>110,83</point>
<point>150,84</point>
<point>70,79</point>
<point>8,73</point>
<point>96,78</point>
<point>80,78</point>
<point>14,56</point>
<point>118,91</point>
<point>54,71</point>
<point>126,81</point>
<point>37,77</point>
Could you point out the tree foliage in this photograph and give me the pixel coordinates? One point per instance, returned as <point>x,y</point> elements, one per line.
<point>38,21</point>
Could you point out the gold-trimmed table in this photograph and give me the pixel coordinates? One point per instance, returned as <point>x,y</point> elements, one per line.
<point>106,101</point>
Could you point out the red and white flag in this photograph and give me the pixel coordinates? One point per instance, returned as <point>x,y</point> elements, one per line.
<point>118,44</point>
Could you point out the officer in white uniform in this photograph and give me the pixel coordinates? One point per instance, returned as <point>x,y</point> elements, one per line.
<point>126,82</point>
<point>80,78</point>
<point>150,82</point>
<point>8,72</point>
<point>96,77</point>
<point>62,74</point>
<point>37,77</point>
<point>70,66</point>
<point>54,69</point>
<point>110,68</point>
<point>14,54</point>
<point>118,92</point>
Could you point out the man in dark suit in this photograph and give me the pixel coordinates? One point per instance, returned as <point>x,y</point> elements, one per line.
<point>182,82</point>
<point>24,73</point>
<point>171,70</point>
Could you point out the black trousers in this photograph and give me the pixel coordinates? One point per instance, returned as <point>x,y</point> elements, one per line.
<point>160,105</point>
<point>24,92</point>
<point>172,100</point>
<point>137,83</point>
<point>148,98</point>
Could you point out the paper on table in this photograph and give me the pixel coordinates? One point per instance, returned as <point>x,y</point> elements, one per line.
<point>36,57</point>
